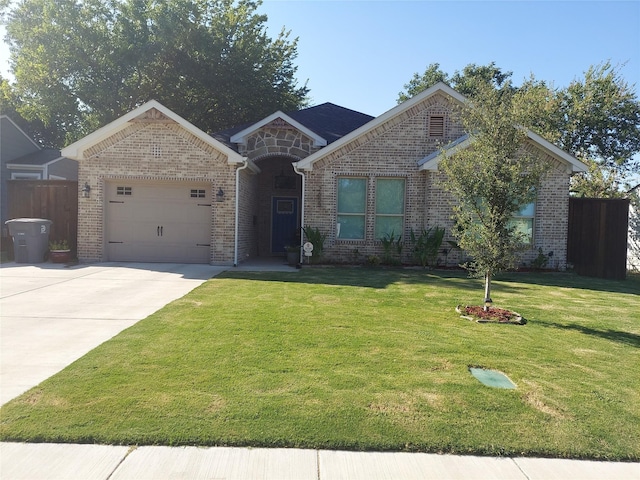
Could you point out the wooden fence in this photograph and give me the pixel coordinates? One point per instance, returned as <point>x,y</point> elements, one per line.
<point>597,240</point>
<point>56,200</point>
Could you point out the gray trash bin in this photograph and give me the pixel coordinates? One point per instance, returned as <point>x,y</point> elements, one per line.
<point>30,238</point>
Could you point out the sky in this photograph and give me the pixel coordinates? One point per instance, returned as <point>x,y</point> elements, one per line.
<point>359,54</point>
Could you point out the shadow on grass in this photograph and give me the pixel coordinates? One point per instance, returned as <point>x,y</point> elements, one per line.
<point>381,277</point>
<point>571,280</point>
<point>618,336</point>
<point>374,277</point>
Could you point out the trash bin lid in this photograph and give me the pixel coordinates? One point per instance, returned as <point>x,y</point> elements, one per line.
<point>28,220</point>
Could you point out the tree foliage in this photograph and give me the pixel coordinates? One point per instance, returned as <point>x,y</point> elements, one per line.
<point>595,118</point>
<point>81,64</point>
<point>492,179</point>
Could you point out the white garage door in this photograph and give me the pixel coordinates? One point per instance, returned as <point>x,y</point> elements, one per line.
<point>159,222</point>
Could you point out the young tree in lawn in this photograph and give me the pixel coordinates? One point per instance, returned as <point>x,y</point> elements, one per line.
<point>491,180</point>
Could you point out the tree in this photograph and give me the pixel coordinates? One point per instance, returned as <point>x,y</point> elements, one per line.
<point>465,82</point>
<point>491,180</point>
<point>80,64</point>
<point>596,118</point>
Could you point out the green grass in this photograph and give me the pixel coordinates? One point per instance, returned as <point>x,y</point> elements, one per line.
<point>360,359</point>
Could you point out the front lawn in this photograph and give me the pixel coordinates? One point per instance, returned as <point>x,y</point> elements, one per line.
<point>355,358</point>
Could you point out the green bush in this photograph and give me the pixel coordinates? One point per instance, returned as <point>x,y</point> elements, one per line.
<point>426,245</point>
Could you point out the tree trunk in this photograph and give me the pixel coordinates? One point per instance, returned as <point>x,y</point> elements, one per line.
<point>487,291</point>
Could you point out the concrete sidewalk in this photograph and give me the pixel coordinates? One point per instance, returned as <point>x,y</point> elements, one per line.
<point>100,462</point>
<point>51,315</point>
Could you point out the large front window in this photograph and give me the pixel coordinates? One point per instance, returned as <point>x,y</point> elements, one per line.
<point>352,203</point>
<point>389,207</point>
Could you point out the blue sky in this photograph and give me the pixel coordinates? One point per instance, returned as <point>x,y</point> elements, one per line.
<point>360,53</point>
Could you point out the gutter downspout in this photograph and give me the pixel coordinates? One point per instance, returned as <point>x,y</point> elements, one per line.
<point>295,169</point>
<point>245,164</point>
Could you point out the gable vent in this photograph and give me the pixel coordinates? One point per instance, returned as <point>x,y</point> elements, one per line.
<point>436,126</point>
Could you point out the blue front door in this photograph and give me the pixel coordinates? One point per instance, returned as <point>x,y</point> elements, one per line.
<point>284,223</point>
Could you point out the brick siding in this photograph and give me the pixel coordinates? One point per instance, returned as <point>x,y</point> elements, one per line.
<point>154,149</point>
<point>393,150</point>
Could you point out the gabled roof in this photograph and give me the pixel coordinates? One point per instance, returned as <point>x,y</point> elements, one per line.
<point>327,121</point>
<point>14,142</point>
<point>307,163</point>
<point>241,136</point>
<point>76,149</point>
<point>331,121</point>
<point>430,162</point>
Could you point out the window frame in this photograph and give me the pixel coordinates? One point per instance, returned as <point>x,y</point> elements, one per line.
<point>362,215</point>
<point>402,215</point>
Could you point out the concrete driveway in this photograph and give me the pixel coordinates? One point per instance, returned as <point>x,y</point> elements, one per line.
<point>51,315</point>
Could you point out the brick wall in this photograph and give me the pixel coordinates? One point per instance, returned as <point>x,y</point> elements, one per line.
<point>154,149</point>
<point>393,150</point>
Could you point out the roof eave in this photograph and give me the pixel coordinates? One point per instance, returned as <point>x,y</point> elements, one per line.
<point>76,150</point>
<point>241,137</point>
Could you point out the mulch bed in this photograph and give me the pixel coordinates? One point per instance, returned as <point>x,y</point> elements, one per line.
<point>493,315</point>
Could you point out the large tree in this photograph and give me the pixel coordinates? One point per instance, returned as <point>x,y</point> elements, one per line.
<point>595,118</point>
<point>492,179</point>
<point>80,64</point>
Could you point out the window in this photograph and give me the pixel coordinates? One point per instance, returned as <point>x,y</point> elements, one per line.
<point>523,221</point>
<point>198,193</point>
<point>389,207</point>
<point>284,207</point>
<point>352,202</point>
<point>123,191</point>
<point>436,126</point>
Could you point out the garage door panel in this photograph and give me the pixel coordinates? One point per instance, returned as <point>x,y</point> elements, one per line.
<point>164,222</point>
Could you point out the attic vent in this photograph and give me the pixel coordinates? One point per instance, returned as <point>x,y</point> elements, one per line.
<point>156,151</point>
<point>436,126</point>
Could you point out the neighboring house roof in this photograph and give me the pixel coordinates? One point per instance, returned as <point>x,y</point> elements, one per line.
<point>76,149</point>
<point>307,163</point>
<point>14,142</point>
<point>40,158</point>
<point>323,123</point>
<point>430,162</point>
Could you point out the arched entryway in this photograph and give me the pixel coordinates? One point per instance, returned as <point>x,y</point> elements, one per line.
<point>279,204</point>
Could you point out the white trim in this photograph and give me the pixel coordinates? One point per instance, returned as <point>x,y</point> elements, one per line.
<point>575,165</point>
<point>56,177</point>
<point>307,163</point>
<point>75,151</point>
<point>26,176</point>
<point>241,137</point>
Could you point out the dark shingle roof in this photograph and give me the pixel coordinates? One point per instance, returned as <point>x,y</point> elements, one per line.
<point>327,120</point>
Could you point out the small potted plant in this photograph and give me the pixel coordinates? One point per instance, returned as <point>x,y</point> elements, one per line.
<point>293,254</point>
<point>59,251</point>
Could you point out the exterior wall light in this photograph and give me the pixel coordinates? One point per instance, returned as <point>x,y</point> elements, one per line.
<point>86,190</point>
<point>220,195</point>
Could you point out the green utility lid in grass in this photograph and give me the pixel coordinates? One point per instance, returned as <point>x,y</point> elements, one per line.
<point>492,378</point>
